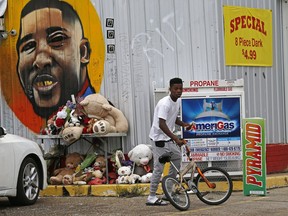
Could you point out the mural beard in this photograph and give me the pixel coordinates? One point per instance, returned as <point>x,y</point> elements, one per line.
<point>40,111</point>
<point>44,112</point>
<point>29,92</point>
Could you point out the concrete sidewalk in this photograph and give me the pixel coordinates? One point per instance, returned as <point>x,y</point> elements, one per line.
<point>106,190</point>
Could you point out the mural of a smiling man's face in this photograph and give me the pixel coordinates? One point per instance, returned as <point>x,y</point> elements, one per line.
<point>52,58</point>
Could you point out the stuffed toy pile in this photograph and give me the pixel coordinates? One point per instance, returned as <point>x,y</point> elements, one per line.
<point>138,167</point>
<point>80,171</point>
<point>71,162</point>
<point>93,114</point>
<point>135,167</point>
<point>94,174</point>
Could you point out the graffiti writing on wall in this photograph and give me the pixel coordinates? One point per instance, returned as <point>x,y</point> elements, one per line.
<point>147,45</point>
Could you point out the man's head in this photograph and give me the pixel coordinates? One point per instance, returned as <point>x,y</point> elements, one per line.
<point>52,54</point>
<point>176,88</point>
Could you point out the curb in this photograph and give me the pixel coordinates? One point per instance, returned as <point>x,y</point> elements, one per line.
<point>277,181</point>
<point>105,190</point>
<point>116,190</point>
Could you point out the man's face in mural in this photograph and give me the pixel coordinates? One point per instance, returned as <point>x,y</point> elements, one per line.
<point>52,59</point>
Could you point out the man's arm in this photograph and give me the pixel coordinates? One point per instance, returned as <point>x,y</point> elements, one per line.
<point>163,126</point>
<point>181,123</point>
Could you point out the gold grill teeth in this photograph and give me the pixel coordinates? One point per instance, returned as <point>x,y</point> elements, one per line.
<point>45,83</point>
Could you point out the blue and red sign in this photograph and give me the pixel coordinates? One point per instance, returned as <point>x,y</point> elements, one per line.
<point>215,129</point>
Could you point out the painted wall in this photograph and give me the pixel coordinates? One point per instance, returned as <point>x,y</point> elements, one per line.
<point>157,40</point>
<point>153,41</point>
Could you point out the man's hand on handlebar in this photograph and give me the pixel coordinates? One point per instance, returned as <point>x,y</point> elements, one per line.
<point>180,142</point>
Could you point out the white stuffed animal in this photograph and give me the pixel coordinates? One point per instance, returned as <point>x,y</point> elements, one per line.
<point>123,172</point>
<point>73,121</point>
<point>142,157</point>
<point>146,178</point>
<point>133,178</point>
<point>125,176</point>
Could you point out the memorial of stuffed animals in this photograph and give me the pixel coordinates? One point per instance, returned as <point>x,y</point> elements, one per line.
<point>94,115</point>
<point>91,169</point>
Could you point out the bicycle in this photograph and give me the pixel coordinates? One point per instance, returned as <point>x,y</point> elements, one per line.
<point>212,185</point>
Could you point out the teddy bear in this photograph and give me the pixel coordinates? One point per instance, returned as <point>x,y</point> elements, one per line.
<point>72,134</point>
<point>109,118</point>
<point>67,179</point>
<point>142,157</point>
<point>97,178</point>
<point>100,163</point>
<point>71,162</point>
<point>103,127</point>
<point>90,178</point>
<point>125,176</point>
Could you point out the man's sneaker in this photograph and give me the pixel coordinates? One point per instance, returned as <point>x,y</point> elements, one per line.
<point>158,202</point>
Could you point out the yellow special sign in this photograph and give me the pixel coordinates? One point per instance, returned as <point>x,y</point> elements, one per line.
<point>248,36</point>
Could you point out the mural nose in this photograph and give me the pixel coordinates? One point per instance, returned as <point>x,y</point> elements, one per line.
<point>42,60</point>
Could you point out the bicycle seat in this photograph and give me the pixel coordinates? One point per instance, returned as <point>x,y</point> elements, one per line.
<point>166,157</point>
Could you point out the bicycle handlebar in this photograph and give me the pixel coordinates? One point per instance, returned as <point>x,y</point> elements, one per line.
<point>187,149</point>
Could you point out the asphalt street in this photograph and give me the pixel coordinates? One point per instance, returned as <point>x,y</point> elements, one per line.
<point>274,203</point>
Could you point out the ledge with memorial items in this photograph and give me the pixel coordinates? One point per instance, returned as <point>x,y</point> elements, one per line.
<point>96,121</point>
<point>95,168</point>
<point>98,166</point>
<point>92,120</point>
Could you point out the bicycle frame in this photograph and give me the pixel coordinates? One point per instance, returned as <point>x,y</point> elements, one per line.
<point>191,166</point>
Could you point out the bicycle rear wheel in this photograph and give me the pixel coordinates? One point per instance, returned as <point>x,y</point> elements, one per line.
<point>221,181</point>
<point>175,193</point>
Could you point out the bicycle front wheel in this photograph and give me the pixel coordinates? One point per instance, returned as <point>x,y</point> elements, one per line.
<point>221,183</point>
<point>175,193</point>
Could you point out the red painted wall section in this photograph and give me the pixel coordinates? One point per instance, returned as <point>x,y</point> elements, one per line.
<point>277,158</point>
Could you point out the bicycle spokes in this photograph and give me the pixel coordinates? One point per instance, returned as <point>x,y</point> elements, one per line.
<point>214,185</point>
<point>176,189</point>
<point>175,193</point>
<point>210,185</point>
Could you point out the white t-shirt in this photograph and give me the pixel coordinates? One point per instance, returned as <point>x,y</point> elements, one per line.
<point>166,109</point>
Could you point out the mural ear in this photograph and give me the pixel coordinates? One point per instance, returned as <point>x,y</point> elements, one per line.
<point>85,51</point>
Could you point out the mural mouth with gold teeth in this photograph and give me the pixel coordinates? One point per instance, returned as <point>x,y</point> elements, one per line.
<point>44,84</point>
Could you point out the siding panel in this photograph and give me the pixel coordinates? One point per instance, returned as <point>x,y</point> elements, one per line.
<point>159,39</point>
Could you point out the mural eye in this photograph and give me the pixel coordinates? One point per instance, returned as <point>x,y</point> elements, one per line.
<point>29,47</point>
<point>57,40</point>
